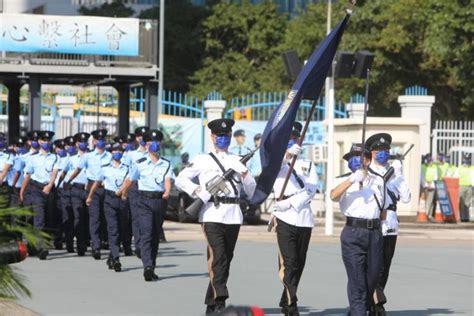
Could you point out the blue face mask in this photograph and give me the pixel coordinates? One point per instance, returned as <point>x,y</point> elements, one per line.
<point>154,147</point>
<point>71,150</point>
<point>354,163</point>
<point>83,146</point>
<point>46,146</point>
<point>117,156</point>
<point>101,143</point>
<point>20,150</point>
<point>129,147</point>
<point>35,144</point>
<point>291,143</point>
<point>61,153</point>
<point>382,157</point>
<point>3,145</point>
<point>142,143</point>
<point>223,142</point>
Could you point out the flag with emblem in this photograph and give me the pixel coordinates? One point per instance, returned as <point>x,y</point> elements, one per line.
<point>307,86</point>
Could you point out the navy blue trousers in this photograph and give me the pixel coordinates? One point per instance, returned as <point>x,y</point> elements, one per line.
<point>151,212</point>
<point>134,199</point>
<point>67,216</point>
<point>363,259</point>
<point>117,214</point>
<point>96,211</point>
<point>78,198</point>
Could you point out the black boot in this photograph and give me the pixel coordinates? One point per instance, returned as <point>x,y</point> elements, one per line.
<point>42,254</point>
<point>96,254</point>
<point>110,263</point>
<point>117,265</point>
<point>70,247</point>
<point>149,274</point>
<point>127,251</point>
<point>210,309</point>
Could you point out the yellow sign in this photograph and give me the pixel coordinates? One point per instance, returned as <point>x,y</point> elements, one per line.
<point>243,114</point>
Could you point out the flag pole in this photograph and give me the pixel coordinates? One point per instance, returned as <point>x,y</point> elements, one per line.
<point>300,142</point>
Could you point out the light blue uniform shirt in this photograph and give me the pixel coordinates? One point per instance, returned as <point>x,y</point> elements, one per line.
<point>41,166</point>
<point>92,162</point>
<point>255,165</point>
<point>133,156</point>
<point>11,172</point>
<point>5,159</point>
<point>72,164</point>
<point>112,177</point>
<point>151,176</point>
<point>239,150</point>
<point>62,164</point>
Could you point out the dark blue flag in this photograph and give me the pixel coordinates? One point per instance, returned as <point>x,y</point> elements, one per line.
<point>277,131</point>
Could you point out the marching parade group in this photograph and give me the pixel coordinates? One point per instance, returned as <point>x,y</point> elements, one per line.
<point>105,195</point>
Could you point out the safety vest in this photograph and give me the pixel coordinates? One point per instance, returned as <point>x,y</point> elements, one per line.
<point>431,173</point>
<point>452,170</point>
<point>423,169</point>
<point>465,175</point>
<point>442,169</point>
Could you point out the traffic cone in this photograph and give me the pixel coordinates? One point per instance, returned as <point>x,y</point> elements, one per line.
<point>421,216</point>
<point>438,218</point>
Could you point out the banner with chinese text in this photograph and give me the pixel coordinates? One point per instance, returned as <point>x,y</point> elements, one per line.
<point>31,33</point>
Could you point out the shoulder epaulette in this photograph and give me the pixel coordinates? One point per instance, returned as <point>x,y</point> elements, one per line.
<point>34,153</point>
<point>106,165</point>
<point>141,160</point>
<point>165,159</point>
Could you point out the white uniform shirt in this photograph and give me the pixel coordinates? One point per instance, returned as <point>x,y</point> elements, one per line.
<point>205,168</point>
<point>300,213</point>
<point>399,187</point>
<point>363,203</point>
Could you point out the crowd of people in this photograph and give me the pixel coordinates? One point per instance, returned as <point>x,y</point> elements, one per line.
<point>433,171</point>
<point>103,196</point>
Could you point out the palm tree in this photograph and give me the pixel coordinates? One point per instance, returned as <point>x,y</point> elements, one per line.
<point>12,284</point>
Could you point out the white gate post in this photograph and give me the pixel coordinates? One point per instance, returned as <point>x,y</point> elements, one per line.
<point>65,105</point>
<point>214,110</point>
<point>419,107</point>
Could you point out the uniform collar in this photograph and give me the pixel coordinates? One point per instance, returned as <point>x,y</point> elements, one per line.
<point>149,161</point>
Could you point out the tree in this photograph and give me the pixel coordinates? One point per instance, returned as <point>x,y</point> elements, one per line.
<point>115,9</point>
<point>242,44</point>
<point>183,47</point>
<point>416,42</point>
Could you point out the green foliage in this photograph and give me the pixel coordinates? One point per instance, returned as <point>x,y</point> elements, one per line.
<point>115,9</point>
<point>12,284</point>
<point>241,44</point>
<point>183,47</point>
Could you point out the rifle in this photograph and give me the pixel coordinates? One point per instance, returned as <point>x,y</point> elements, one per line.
<point>215,186</point>
<point>364,123</point>
<point>390,170</point>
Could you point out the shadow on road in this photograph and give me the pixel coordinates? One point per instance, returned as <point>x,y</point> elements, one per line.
<point>343,312</point>
<point>184,275</point>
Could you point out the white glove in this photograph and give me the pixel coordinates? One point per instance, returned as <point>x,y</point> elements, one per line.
<point>236,165</point>
<point>384,228</point>
<point>397,167</point>
<point>392,222</point>
<point>282,206</point>
<point>204,195</point>
<point>358,176</point>
<point>295,150</point>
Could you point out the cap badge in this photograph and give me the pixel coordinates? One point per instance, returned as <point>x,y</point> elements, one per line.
<point>224,125</point>
<point>382,140</point>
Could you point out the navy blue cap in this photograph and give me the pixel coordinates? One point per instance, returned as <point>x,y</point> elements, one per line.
<point>153,135</point>
<point>380,141</point>
<point>82,137</point>
<point>221,126</point>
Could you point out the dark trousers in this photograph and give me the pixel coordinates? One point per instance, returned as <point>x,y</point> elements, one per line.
<point>134,202</point>
<point>389,243</point>
<point>362,256</point>
<point>67,216</point>
<point>221,239</point>
<point>97,218</point>
<point>55,215</point>
<point>14,197</point>
<point>118,223</point>
<point>39,202</point>
<point>293,243</point>
<point>78,198</point>
<point>151,213</point>
<point>4,195</point>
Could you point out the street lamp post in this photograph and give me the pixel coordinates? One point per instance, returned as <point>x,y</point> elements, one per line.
<point>161,55</point>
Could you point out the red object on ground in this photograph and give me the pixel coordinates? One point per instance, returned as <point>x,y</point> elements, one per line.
<point>257,311</point>
<point>421,217</point>
<point>452,186</point>
<point>22,250</point>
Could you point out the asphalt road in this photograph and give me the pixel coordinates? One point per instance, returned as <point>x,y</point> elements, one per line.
<point>428,277</point>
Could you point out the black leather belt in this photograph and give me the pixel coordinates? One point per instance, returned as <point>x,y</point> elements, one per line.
<point>151,194</point>
<point>226,200</point>
<point>38,185</point>
<point>363,223</point>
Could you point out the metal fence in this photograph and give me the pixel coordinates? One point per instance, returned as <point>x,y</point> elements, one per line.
<point>453,138</point>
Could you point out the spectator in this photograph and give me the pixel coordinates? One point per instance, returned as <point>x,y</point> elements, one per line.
<point>240,149</point>
<point>431,176</point>
<point>466,181</point>
<point>183,164</point>
<point>255,164</point>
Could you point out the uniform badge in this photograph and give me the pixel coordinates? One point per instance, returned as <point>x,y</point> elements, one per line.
<point>224,125</point>
<point>382,140</point>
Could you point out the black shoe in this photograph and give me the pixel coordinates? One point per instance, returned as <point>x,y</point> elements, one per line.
<point>58,245</point>
<point>104,245</point>
<point>42,254</point>
<point>220,306</point>
<point>70,247</point>
<point>138,253</point>
<point>117,265</point>
<point>96,254</point>
<point>210,309</point>
<point>149,274</point>
<point>379,310</point>
<point>127,251</point>
<point>110,263</point>
<point>81,252</point>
